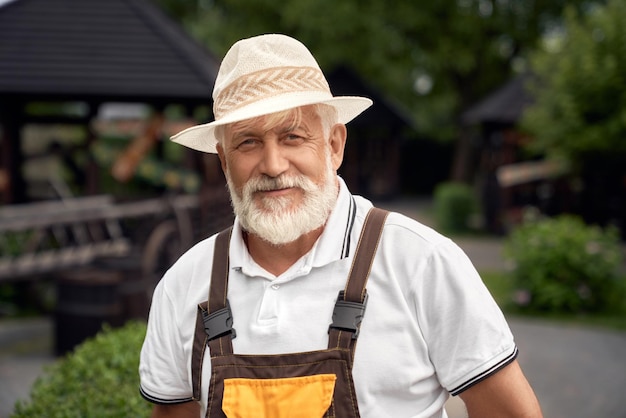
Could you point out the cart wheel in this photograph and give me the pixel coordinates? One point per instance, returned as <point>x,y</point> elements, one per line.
<point>162,248</point>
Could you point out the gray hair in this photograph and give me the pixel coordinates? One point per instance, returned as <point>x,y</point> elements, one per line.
<point>327,113</point>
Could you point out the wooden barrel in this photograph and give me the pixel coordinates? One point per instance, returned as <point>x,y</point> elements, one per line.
<point>87,298</point>
<point>134,289</point>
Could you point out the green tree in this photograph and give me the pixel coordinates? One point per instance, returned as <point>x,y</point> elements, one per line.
<point>580,87</point>
<point>435,58</point>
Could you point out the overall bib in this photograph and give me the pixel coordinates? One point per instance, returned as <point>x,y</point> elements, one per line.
<point>303,385</point>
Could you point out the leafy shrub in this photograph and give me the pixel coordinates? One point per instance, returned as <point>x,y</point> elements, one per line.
<point>562,265</point>
<point>454,203</point>
<point>99,379</point>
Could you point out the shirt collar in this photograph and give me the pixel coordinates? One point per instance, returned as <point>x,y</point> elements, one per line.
<point>334,243</point>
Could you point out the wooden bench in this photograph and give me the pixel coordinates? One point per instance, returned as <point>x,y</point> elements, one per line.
<point>42,237</point>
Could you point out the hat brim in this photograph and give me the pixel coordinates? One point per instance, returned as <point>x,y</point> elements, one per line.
<point>202,137</point>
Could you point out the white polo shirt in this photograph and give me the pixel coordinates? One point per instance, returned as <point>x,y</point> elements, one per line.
<point>431,328</point>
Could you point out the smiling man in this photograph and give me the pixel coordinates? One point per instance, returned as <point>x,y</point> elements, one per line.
<point>263,319</point>
<point>281,176</point>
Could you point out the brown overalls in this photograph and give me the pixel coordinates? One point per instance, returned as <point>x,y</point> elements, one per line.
<point>309,384</point>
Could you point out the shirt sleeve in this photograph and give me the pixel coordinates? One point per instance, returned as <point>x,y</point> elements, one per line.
<point>163,370</point>
<point>466,332</point>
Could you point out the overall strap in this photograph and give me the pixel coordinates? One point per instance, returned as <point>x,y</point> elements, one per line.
<point>218,320</point>
<point>351,302</point>
<point>214,320</point>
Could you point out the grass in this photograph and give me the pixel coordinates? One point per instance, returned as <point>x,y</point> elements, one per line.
<point>501,287</point>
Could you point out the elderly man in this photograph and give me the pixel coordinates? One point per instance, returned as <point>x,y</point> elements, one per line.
<point>316,304</point>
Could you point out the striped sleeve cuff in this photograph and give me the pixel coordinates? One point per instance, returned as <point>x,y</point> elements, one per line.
<point>485,374</point>
<point>160,401</point>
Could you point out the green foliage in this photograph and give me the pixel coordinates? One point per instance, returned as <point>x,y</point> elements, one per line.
<point>580,90</point>
<point>501,286</point>
<point>565,266</point>
<point>455,51</point>
<point>454,204</point>
<point>99,379</point>
<point>12,243</point>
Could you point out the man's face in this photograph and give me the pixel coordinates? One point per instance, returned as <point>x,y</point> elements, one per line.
<point>281,173</point>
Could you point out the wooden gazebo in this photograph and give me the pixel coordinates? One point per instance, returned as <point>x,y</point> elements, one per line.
<point>60,62</point>
<point>508,179</point>
<point>87,53</point>
<point>378,140</point>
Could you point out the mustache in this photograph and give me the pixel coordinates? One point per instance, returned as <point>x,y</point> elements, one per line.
<point>266,183</point>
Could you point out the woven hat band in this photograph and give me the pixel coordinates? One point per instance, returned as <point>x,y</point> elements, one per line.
<point>268,83</point>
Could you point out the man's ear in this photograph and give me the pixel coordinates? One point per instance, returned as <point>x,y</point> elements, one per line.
<point>337,143</point>
<point>220,154</point>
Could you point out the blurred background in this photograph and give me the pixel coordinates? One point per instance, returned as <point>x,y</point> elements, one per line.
<point>500,123</point>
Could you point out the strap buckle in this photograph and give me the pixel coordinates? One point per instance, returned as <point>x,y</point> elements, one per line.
<point>347,316</point>
<point>218,323</point>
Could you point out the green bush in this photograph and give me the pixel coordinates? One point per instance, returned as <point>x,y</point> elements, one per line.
<point>99,379</point>
<point>454,204</point>
<point>562,265</point>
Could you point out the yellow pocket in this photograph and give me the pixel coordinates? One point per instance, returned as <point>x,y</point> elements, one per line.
<point>293,397</point>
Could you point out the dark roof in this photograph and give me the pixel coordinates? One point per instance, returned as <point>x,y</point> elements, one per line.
<point>124,50</point>
<point>344,81</point>
<point>505,105</point>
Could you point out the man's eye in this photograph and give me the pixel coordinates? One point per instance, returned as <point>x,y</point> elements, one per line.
<point>292,137</point>
<point>248,142</point>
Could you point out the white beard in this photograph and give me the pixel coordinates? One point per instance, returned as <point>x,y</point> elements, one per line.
<point>272,219</point>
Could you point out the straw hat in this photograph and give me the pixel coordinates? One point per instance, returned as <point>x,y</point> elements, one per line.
<point>262,75</point>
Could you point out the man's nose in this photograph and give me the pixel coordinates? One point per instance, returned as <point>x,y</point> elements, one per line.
<point>274,161</point>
